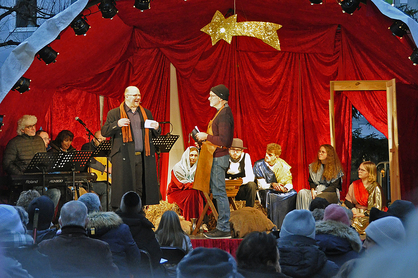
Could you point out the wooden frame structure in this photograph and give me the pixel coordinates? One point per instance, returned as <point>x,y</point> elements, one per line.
<point>375,85</point>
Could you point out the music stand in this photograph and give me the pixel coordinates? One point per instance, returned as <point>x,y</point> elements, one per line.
<point>163,144</point>
<point>59,162</point>
<point>103,150</point>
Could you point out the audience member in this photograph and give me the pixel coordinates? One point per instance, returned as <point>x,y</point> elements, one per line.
<point>335,237</point>
<point>363,194</point>
<point>299,253</point>
<point>258,256</point>
<point>240,166</point>
<point>24,217</point>
<point>180,190</point>
<point>109,227</point>
<point>130,211</point>
<point>18,247</point>
<point>399,208</point>
<point>382,235</point>
<point>72,253</point>
<point>170,233</point>
<point>26,197</point>
<point>325,178</point>
<point>45,215</point>
<point>397,261</point>
<point>208,263</point>
<point>317,208</point>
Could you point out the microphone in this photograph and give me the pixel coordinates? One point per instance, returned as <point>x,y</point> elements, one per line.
<point>80,121</point>
<point>164,122</point>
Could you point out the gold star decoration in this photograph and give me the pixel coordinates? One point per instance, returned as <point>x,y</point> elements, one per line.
<point>224,29</point>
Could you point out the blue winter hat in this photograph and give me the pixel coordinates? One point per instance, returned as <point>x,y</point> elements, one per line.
<point>386,232</point>
<point>206,263</point>
<point>298,222</point>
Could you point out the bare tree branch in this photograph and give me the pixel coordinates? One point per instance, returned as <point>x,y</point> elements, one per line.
<point>9,42</point>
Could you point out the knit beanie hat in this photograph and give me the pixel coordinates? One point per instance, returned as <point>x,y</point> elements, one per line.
<point>337,213</point>
<point>319,203</point>
<point>386,232</point>
<point>46,212</point>
<point>206,263</point>
<point>221,91</point>
<point>130,202</point>
<point>298,222</point>
<point>399,208</point>
<point>10,220</point>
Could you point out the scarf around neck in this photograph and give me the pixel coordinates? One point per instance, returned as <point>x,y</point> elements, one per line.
<point>127,132</point>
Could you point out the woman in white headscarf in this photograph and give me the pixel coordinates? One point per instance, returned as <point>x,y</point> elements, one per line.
<point>180,190</point>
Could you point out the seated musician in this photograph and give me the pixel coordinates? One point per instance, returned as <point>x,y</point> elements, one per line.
<point>45,136</point>
<point>22,148</point>
<point>98,165</point>
<point>180,190</point>
<point>240,166</point>
<point>275,180</point>
<point>62,142</point>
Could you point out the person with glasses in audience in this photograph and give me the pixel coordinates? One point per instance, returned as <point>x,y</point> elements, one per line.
<point>45,136</point>
<point>363,194</point>
<point>325,178</point>
<point>131,128</point>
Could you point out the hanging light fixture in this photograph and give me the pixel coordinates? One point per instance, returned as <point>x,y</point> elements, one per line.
<point>47,54</point>
<point>108,8</point>
<point>350,6</point>
<point>414,57</point>
<point>399,28</point>
<point>22,85</point>
<point>142,4</point>
<point>80,25</point>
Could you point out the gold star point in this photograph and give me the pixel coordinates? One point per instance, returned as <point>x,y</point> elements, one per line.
<point>220,28</point>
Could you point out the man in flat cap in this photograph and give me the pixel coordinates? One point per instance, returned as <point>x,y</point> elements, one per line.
<point>217,140</point>
<point>240,166</point>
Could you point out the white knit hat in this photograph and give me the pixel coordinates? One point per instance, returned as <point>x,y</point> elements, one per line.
<point>386,232</point>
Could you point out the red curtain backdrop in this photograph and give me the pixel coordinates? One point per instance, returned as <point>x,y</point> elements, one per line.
<point>276,96</point>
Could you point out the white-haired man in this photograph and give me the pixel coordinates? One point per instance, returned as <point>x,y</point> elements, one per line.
<point>22,148</point>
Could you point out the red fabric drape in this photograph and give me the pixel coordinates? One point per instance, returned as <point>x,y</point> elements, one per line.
<point>276,96</point>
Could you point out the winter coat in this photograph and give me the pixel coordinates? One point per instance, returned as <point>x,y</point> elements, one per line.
<point>301,257</point>
<point>123,161</point>
<point>265,272</point>
<point>143,234</point>
<point>73,254</point>
<point>338,241</point>
<point>109,227</point>
<point>20,151</point>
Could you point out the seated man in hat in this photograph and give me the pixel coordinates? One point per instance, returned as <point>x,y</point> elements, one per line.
<point>275,180</point>
<point>240,166</point>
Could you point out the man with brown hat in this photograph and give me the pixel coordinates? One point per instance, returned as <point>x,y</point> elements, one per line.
<point>240,166</point>
<point>218,137</point>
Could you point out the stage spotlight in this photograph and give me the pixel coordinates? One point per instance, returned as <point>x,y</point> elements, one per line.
<point>22,85</point>
<point>47,54</point>
<point>1,121</point>
<point>80,25</point>
<point>399,28</point>
<point>350,6</point>
<point>414,57</point>
<point>142,4</point>
<point>108,8</point>
<point>316,2</point>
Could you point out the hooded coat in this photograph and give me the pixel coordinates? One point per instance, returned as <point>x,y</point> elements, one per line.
<point>109,227</point>
<point>143,234</point>
<point>301,257</point>
<point>338,241</point>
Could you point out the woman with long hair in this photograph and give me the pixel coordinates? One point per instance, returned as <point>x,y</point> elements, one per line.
<point>325,178</point>
<point>170,233</point>
<point>363,194</point>
<point>62,142</point>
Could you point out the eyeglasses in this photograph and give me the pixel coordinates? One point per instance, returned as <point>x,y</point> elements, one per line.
<point>30,126</point>
<point>137,95</point>
<point>235,150</point>
<point>322,152</point>
<point>361,170</point>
